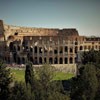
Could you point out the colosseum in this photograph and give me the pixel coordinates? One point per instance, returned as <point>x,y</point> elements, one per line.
<point>58,47</point>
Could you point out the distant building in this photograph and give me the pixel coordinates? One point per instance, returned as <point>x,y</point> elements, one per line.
<point>58,47</point>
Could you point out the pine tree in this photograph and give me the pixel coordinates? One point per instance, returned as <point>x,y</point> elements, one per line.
<point>29,74</point>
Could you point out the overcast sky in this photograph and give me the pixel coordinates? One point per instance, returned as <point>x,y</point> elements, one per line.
<point>84,15</point>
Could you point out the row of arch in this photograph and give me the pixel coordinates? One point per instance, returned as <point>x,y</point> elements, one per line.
<point>40,60</point>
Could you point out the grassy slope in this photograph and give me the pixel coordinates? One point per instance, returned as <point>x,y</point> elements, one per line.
<point>19,75</point>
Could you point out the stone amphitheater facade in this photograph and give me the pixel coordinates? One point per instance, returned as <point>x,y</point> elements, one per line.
<point>58,47</point>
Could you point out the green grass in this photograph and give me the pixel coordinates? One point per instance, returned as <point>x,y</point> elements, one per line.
<point>63,76</point>
<point>19,75</point>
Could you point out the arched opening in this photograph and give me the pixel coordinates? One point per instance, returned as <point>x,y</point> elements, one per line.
<point>55,60</point>
<point>71,50</point>
<point>10,37</point>
<point>31,59</point>
<point>50,60</point>
<point>71,60</point>
<point>66,61</point>
<point>23,60</point>
<point>11,46</point>
<point>55,51</point>
<point>61,50</point>
<point>76,49</point>
<point>66,49</point>
<point>89,47</point>
<point>26,48</point>
<point>45,60</point>
<point>15,57</point>
<point>76,42</point>
<point>61,60</point>
<point>35,49</point>
<point>75,59</point>
<point>35,60</point>
<point>81,48</point>
<point>16,33</point>
<point>19,62</point>
<point>40,60</point>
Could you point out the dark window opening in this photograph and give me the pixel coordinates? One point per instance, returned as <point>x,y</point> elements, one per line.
<point>26,47</point>
<point>66,49</point>
<point>15,57</point>
<point>55,52</point>
<point>40,60</point>
<point>76,43</point>
<point>71,60</point>
<point>75,59</point>
<point>35,60</point>
<point>35,50</point>
<point>23,60</point>
<point>66,60</point>
<point>56,61</point>
<point>50,60</point>
<point>11,46</point>
<point>31,59</point>
<point>71,50</point>
<point>61,61</point>
<point>61,50</point>
<point>19,62</point>
<point>45,60</point>
<point>76,49</point>
<point>16,33</point>
<point>81,48</point>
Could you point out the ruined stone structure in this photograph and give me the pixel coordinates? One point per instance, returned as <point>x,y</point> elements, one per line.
<point>58,47</point>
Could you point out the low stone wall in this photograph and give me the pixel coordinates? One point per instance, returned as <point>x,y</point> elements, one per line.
<point>67,68</point>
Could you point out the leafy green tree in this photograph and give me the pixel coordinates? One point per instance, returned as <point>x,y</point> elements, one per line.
<point>5,81</point>
<point>21,92</point>
<point>94,57</point>
<point>84,87</point>
<point>47,88</point>
<point>91,56</point>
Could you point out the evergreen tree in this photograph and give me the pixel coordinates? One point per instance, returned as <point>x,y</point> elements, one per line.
<point>29,74</point>
<point>5,81</point>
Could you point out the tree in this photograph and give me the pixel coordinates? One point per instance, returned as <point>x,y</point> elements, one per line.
<point>21,92</point>
<point>5,81</point>
<point>84,87</point>
<point>29,74</point>
<point>48,89</point>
